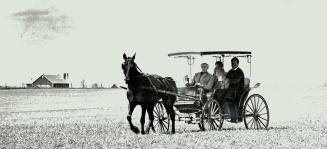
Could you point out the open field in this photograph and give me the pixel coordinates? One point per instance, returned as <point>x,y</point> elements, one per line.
<point>97,119</point>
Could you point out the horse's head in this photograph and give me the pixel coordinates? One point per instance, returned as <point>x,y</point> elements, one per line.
<point>128,66</point>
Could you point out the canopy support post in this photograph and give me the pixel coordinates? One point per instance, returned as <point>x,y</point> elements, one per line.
<point>190,62</point>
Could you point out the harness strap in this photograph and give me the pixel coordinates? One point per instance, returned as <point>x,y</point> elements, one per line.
<point>139,68</point>
<point>154,87</point>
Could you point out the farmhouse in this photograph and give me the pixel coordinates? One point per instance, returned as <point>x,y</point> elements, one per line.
<point>51,81</point>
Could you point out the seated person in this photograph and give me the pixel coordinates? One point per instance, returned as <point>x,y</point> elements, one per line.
<point>236,83</point>
<point>203,79</point>
<point>235,75</point>
<point>220,75</point>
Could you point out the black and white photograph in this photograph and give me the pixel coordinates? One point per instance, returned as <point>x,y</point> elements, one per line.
<point>163,74</point>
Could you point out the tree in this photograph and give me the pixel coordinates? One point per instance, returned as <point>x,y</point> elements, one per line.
<point>95,85</point>
<point>114,86</point>
<point>83,84</point>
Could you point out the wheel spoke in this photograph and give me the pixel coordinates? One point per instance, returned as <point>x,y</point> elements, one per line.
<point>259,107</point>
<point>262,123</point>
<point>252,109</point>
<point>216,110</point>
<point>161,128</point>
<point>263,118</point>
<point>156,124</point>
<point>259,99</point>
<point>158,111</point>
<point>256,123</point>
<point>211,107</point>
<point>216,107</point>
<point>252,124</point>
<point>263,114</point>
<point>166,122</point>
<point>217,126</point>
<point>248,111</point>
<point>259,123</point>
<point>262,109</point>
<point>255,103</point>
<point>212,127</point>
<point>212,110</point>
<point>166,127</point>
<point>249,121</point>
<point>249,115</point>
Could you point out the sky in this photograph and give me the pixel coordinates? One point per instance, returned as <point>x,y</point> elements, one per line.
<point>88,38</point>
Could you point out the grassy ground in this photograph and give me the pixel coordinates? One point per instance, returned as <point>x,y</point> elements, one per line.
<point>116,134</point>
<point>98,126</point>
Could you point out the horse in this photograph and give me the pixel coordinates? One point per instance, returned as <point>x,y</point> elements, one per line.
<point>142,90</point>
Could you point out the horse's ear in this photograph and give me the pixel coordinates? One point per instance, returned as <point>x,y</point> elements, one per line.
<point>124,56</point>
<point>133,56</point>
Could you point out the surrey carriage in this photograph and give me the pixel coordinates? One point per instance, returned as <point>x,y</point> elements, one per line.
<point>209,109</point>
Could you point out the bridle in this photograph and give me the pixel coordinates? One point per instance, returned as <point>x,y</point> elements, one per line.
<point>128,67</point>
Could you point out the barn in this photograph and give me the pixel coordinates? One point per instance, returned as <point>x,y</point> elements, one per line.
<point>51,81</point>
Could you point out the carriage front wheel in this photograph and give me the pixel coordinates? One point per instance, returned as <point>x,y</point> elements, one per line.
<point>256,112</point>
<point>211,118</point>
<point>161,118</point>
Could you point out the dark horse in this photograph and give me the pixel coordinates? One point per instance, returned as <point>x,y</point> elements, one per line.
<point>142,91</point>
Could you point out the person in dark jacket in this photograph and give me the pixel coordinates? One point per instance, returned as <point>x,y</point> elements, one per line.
<point>235,75</point>
<point>236,84</point>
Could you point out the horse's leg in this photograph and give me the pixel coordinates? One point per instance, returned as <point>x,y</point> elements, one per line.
<point>143,118</point>
<point>131,107</point>
<point>151,117</point>
<point>171,112</point>
<point>172,118</point>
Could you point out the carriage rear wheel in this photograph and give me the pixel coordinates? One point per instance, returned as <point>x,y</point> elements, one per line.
<point>212,118</point>
<point>256,112</point>
<point>161,118</point>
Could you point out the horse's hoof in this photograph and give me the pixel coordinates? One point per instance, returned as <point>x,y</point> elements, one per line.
<point>143,132</point>
<point>135,130</point>
<point>147,130</point>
